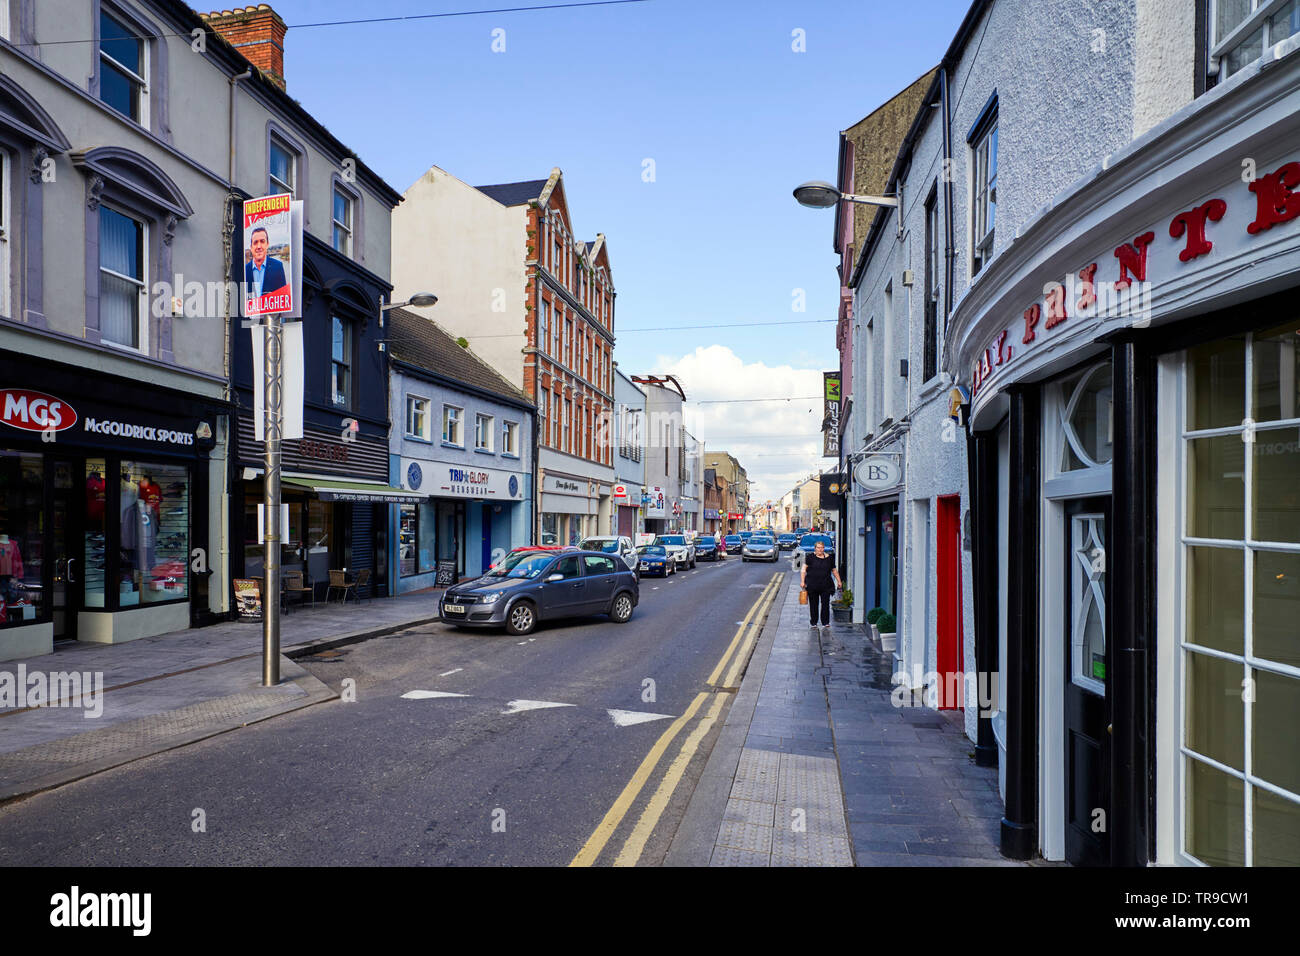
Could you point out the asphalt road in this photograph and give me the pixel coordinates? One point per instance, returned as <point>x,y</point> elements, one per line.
<point>437,780</point>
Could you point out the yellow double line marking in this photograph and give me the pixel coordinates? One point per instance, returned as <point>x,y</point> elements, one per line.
<point>632,849</point>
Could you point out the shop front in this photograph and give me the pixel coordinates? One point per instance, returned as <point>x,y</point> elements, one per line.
<point>629,522</point>
<point>1135,468</point>
<point>571,508</point>
<point>335,497</point>
<point>458,523</point>
<point>104,505</point>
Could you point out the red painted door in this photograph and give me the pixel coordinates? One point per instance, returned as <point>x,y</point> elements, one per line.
<point>948,592</point>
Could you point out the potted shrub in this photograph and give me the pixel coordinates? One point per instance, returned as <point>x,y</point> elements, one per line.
<point>872,617</point>
<point>842,608</point>
<point>888,629</point>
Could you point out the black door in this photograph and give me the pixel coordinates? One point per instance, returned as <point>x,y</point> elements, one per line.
<point>1087,704</point>
<point>72,546</point>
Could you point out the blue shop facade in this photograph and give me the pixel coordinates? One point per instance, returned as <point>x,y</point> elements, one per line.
<point>462,439</point>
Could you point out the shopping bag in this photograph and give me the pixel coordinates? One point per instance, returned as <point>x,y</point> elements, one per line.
<point>803,596</point>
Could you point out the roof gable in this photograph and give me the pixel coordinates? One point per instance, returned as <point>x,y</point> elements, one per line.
<point>423,343</point>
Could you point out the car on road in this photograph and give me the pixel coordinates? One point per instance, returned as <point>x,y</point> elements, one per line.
<point>809,541</point>
<point>533,586</point>
<point>679,547</point>
<point>787,540</point>
<point>760,548</point>
<point>654,559</point>
<point>619,545</point>
<point>733,543</point>
<point>709,548</point>
<point>746,535</point>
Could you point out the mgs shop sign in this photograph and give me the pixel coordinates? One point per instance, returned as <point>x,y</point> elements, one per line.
<point>32,411</point>
<point>47,415</point>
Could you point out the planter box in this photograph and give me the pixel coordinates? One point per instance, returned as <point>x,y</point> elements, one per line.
<point>889,642</point>
<point>842,614</point>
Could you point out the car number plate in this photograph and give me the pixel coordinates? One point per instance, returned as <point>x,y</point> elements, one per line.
<point>453,608</point>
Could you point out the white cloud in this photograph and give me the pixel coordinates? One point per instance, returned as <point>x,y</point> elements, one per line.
<point>779,443</point>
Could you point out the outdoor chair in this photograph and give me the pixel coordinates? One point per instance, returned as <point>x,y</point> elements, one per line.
<point>362,584</point>
<point>339,582</point>
<point>293,585</point>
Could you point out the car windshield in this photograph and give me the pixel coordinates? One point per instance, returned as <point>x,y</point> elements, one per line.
<point>670,539</point>
<point>810,541</point>
<point>651,549</point>
<point>760,540</point>
<point>609,547</point>
<point>524,565</point>
<point>706,541</point>
<point>787,537</point>
<point>732,538</point>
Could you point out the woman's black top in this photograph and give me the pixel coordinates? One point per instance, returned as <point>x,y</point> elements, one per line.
<point>818,576</point>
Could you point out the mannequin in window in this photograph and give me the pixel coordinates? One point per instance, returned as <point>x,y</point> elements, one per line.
<point>151,494</point>
<point>11,572</point>
<point>95,497</point>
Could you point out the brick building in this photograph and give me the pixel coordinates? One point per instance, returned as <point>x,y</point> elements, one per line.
<point>537,303</point>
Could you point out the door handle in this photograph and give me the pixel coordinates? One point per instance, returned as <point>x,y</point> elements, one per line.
<point>67,574</point>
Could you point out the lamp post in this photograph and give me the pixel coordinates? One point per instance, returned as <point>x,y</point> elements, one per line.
<point>817,194</point>
<point>273,426</point>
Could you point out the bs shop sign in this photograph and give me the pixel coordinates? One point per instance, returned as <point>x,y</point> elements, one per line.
<point>877,473</point>
<point>32,411</point>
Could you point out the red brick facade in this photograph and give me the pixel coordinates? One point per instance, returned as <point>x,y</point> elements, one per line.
<point>568,366</point>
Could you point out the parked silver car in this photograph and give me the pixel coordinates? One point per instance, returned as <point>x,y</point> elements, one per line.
<point>619,545</point>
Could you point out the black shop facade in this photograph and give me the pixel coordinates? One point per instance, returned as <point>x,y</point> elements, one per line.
<point>105,497</point>
<point>334,479</point>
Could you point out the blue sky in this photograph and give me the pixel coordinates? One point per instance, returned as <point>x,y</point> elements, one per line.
<point>713,93</point>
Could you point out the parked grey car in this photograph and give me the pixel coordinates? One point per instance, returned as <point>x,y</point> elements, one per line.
<point>529,587</point>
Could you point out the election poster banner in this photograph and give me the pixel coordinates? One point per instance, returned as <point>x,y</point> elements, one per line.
<point>269,255</point>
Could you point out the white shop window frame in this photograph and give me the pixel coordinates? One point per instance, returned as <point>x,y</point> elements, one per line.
<point>1172,749</point>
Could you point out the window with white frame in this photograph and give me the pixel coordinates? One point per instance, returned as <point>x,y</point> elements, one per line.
<point>483,433</point>
<point>417,417</point>
<point>1238,658</point>
<point>451,419</point>
<point>1241,31</point>
<point>282,167</point>
<point>123,65</point>
<point>930,347</point>
<point>342,222</point>
<point>554,438</point>
<point>123,280</point>
<point>341,361</point>
<point>566,430</point>
<point>544,326</point>
<point>510,438</point>
<point>984,190</point>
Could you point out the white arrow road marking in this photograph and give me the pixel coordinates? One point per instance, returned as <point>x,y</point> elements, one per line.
<point>449,673</point>
<point>427,694</point>
<point>518,706</point>
<point>626,718</point>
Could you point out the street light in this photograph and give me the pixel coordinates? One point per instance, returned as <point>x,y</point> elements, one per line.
<point>816,194</point>
<point>421,300</point>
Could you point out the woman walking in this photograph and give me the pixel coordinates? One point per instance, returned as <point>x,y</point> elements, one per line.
<point>820,578</point>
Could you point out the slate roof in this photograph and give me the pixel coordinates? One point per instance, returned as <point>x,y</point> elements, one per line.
<point>424,344</point>
<point>514,194</point>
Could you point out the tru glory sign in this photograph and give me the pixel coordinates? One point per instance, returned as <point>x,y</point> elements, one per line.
<point>1083,295</point>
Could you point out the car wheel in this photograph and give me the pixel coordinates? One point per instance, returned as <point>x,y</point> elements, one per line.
<point>621,610</point>
<point>522,618</point>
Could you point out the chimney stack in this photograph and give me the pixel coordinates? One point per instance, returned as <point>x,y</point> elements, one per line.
<point>255,31</point>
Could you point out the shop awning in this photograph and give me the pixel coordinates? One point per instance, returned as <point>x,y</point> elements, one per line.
<point>353,490</point>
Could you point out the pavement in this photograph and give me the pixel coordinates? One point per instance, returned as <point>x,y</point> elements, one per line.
<point>816,766</point>
<point>109,704</point>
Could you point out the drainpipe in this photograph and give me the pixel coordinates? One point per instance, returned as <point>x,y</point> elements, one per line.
<point>232,419</point>
<point>950,249</point>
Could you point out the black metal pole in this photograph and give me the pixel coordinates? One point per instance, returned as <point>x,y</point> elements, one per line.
<point>1129,572</point>
<point>1020,824</point>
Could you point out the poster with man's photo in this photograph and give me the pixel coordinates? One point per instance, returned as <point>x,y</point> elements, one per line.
<point>268,255</point>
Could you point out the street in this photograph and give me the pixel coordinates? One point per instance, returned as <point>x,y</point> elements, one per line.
<point>546,744</point>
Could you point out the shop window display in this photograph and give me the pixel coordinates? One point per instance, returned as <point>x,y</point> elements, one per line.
<point>154,506</point>
<point>21,538</point>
